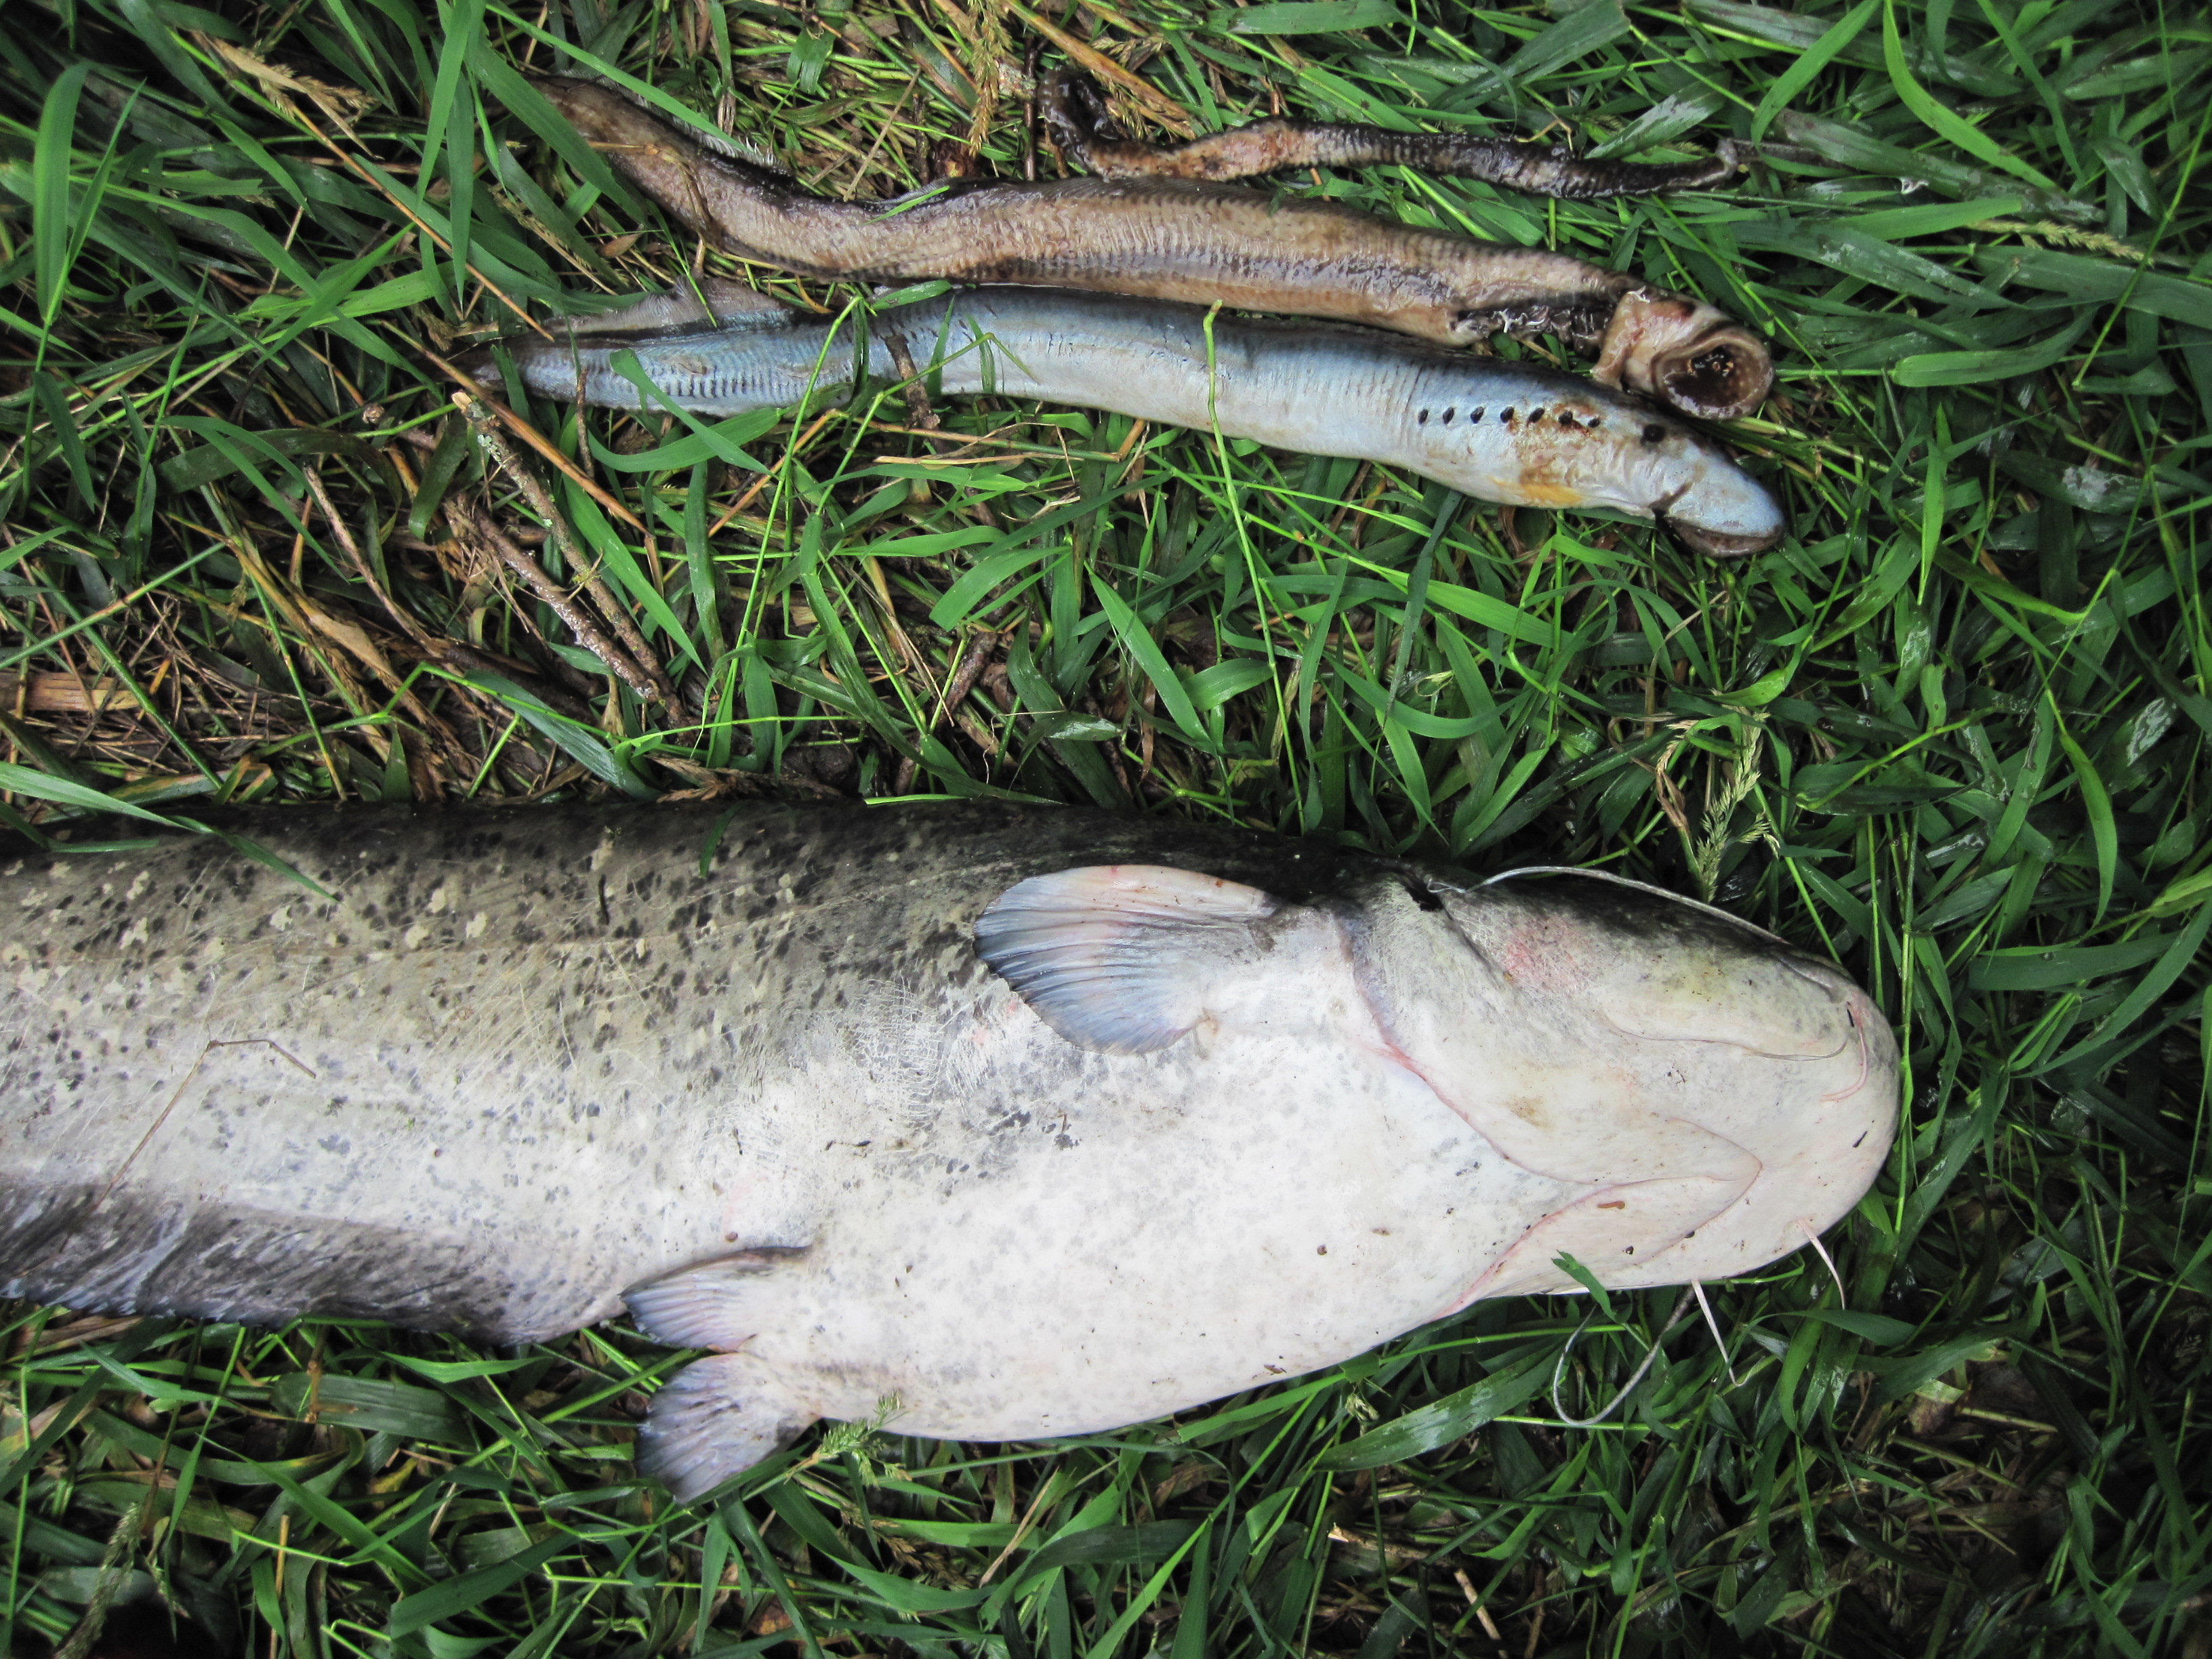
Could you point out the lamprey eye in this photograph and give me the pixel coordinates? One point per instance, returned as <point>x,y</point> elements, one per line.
<point>1653,433</point>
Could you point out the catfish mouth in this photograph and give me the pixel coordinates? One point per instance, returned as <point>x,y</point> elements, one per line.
<point>1719,376</point>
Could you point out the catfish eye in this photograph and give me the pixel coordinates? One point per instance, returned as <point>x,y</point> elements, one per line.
<point>1653,433</point>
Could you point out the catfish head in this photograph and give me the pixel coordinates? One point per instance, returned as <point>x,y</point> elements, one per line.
<point>1708,1098</point>
<point>1724,1097</point>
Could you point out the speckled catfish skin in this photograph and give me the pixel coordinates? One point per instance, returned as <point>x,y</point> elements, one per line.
<point>1011,1122</point>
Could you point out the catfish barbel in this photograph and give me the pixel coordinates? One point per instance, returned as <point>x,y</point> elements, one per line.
<point>999,1122</point>
<point>1514,433</point>
<point>1179,239</point>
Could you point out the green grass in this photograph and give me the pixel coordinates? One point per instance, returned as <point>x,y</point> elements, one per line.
<point>1953,731</point>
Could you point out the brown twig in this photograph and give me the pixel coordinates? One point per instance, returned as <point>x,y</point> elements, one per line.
<point>1162,108</point>
<point>564,605</point>
<point>536,440</point>
<point>973,661</point>
<point>640,656</point>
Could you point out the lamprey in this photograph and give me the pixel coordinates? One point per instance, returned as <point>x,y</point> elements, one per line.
<point>1188,239</point>
<point>1507,432</point>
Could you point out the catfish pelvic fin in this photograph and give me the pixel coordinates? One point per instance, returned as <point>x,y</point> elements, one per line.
<point>715,1304</point>
<point>715,1418</point>
<point>1121,957</point>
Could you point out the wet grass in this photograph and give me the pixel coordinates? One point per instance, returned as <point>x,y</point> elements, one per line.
<point>1953,731</point>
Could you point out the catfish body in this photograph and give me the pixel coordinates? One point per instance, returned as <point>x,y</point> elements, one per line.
<point>1002,1122</point>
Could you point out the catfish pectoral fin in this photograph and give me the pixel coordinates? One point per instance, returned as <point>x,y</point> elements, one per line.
<point>715,1418</point>
<point>1119,958</point>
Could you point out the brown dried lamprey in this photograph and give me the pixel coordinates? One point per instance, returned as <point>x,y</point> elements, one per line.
<point>1075,112</point>
<point>1188,239</point>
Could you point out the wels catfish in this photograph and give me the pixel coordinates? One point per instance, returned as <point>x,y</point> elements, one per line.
<point>1003,1122</point>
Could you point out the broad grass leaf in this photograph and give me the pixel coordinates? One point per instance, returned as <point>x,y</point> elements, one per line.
<point>1855,148</point>
<point>1138,641</point>
<point>52,227</point>
<point>2097,803</point>
<point>1448,1420</point>
<point>1210,688</point>
<point>471,1590</point>
<point>368,1404</point>
<point>232,446</point>
<point>2037,968</point>
<point>1842,245</point>
<point>1811,61</point>
<point>456,1371</point>
<point>1664,122</point>
<point>1574,37</point>
<point>2089,281</point>
<point>2181,893</point>
<point>1111,1547</point>
<point>980,578</point>
<point>1979,367</point>
<point>1878,1328</point>
<point>1907,1374</point>
<point>582,746</point>
<point>1932,218</point>
<point>1938,116</point>
<point>592,524</point>
<point>911,1598</point>
<point>23,781</point>
<point>2184,953</point>
<point>1307,17</point>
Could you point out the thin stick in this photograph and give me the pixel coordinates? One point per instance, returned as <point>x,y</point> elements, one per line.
<point>536,440</point>
<point>640,655</point>
<point>563,606</point>
<point>1164,109</point>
